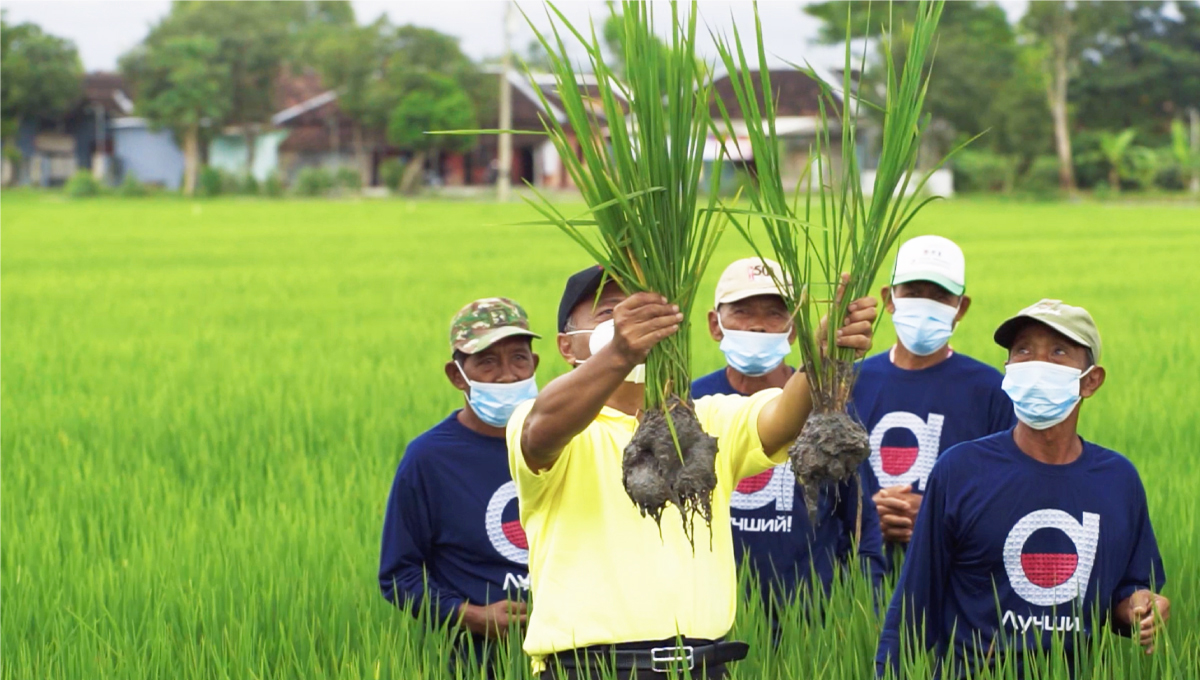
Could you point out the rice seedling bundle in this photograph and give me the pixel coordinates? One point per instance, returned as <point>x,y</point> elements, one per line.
<point>639,166</point>
<point>830,225</point>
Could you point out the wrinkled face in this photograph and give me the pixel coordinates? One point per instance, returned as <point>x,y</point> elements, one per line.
<point>587,315</point>
<point>1038,342</point>
<point>506,361</point>
<point>758,314</point>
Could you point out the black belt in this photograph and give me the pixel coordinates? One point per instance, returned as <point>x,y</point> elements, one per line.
<point>661,656</point>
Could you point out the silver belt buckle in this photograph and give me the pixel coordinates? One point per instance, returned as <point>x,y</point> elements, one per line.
<point>663,659</point>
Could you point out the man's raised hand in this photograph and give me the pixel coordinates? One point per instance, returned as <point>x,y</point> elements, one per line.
<point>857,328</point>
<point>640,322</point>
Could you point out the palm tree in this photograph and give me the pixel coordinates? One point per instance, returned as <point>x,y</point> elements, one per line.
<point>1114,148</point>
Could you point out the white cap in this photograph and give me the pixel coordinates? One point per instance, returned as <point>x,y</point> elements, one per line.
<point>932,258</point>
<point>748,278</point>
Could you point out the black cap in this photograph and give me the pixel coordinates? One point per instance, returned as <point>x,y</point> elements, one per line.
<point>581,286</point>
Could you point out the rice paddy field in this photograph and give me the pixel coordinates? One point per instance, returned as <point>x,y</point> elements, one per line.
<point>204,404</point>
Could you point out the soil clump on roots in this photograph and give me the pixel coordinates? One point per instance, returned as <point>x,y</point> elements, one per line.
<point>828,451</point>
<point>654,475</point>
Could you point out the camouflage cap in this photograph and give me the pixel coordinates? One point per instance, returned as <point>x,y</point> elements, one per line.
<point>482,323</point>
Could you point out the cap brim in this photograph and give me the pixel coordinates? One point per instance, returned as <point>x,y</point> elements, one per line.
<point>934,277</point>
<point>496,335</point>
<point>1006,333</point>
<point>746,294</point>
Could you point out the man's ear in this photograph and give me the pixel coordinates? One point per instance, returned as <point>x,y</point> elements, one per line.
<point>455,377</point>
<point>536,361</point>
<point>564,348</point>
<point>714,328</point>
<point>1091,382</point>
<point>792,333</point>
<point>885,294</point>
<point>964,303</point>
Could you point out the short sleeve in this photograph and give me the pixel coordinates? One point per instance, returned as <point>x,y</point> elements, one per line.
<point>532,487</point>
<point>733,420</point>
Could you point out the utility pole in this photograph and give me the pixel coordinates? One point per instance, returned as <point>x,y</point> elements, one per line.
<point>1194,114</point>
<point>504,151</point>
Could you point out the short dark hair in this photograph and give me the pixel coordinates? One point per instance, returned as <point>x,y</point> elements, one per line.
<point>460,357</point>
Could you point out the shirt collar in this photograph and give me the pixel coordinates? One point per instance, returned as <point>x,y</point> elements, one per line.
<point>611,413</point>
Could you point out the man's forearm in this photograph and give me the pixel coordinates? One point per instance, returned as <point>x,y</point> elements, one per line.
<point>782,418</point>
<point>570,403</point>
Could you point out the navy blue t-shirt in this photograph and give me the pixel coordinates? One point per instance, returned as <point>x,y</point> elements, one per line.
<point>1004,544</point>
<point>771,527</point>
<point>912,416</point>
<point>452,533</point>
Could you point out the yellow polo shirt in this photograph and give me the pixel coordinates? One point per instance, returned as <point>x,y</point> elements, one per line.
<point>600,572</point>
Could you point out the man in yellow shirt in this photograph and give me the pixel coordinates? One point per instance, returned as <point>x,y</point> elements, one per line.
<point>612,588</point>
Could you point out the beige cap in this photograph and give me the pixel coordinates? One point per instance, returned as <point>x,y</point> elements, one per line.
<point>1073,322</point>
<point>747,278</point>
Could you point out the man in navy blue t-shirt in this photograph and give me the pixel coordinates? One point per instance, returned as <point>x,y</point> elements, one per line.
<point>452,540</point>
<point>1025,533</point>
<point>771,528</point>
<point>921,397</point>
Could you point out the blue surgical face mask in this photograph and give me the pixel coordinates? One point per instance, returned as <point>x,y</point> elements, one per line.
<point>494,403</point>
<point>923,326</point>
<point>753,354</point>
<point>603,334</point>
<point>1043,394</point>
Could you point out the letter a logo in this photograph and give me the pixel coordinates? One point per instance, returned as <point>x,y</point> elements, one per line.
<point>507,536</point>
<point>1049,556</point>
<point>777,485</point>
<point>907,457</point>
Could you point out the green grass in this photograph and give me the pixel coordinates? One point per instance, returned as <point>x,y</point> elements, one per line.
<point>204,404</point>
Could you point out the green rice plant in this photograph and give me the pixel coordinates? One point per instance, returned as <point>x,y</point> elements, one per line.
<point>835,241</point>
<point>638,168</point>
<point>199,431</point>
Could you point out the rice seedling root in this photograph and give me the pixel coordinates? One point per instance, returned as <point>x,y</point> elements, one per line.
<point>829,450</point>
<point>654,474</point>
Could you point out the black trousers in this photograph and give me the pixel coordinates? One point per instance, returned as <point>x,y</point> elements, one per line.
<point>718,672</point>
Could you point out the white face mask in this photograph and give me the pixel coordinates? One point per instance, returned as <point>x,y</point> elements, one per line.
<point>1043,394</point>
<point>494,403</point>
<point>923,326</point>
<point>603,334</point>
<point>753,354</point>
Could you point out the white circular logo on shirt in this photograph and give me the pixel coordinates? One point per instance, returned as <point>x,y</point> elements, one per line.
<point>777,485</point>
<point>1047,575</point>
<point>507,537</point>
<point>900,465</point>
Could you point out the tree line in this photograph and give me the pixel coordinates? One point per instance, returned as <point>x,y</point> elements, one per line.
<point>1092,93</point>
<point>209,66</point>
